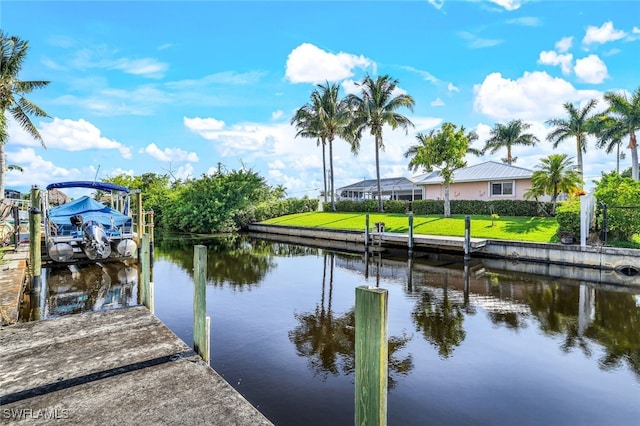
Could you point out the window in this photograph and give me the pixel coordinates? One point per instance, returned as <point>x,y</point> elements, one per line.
<point>501,188</point>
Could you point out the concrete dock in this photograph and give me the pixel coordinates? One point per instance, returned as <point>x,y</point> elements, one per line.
<point>121,366</point>
<point>13,270</point>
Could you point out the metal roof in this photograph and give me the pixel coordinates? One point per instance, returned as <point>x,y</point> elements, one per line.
<point>490,170</point>
<point>387,184</point>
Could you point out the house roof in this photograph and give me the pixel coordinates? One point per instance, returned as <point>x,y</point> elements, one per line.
<point>386,185</point>
<point>490,170</point>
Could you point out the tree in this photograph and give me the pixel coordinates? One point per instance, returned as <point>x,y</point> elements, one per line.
<point>307,123</point>
<point>13,50</point>
<point>329,117</point>
<point>625,116</point>
<point>507,136</point>
<point>556,174</point>
<point>375,107</point>
<point>610,136</point>
<point>444,150</point>
<point>579,124</point>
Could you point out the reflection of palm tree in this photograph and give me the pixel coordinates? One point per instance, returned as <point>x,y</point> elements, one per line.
<point>440,321</point>
<point>329,342</point>
<point>234,260</point>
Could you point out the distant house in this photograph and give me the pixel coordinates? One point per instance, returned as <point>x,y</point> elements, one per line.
<point>400,188</point>
<point>485,181</point>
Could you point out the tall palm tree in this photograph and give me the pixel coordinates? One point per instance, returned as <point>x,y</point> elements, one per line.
<point>307,123</point>
<point>335,121</point>
<point>579,124</point>
<point>556,174</point>
<point>626,115</point>
<point>375,107</point>
<point>610,136</point>
<point>13,50</point>
<point>509,135</point>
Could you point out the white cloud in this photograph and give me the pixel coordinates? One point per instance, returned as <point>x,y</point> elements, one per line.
<point>147,67</point>
<point>350,87</point>
<point>534,96</point>
<point>170,154</point>
<point>310,64</point>
<point>276,114</point>
<point>527,21</point>
<point>452,88</point>
<point>476,42</point>
<point>425,123</point>
<point>437,102</point>
<point>436,3</point>
<point>591,69</point>
<point>552,58</point>
<point>198,124</point>
<point>635,30</point>
<point>564,44</point>
<point>425,74</point>
<point>508,4</point>
<point>603,34</point>
<point>69,135</point>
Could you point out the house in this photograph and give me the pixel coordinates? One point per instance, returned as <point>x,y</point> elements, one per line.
<point>484,181</point>
<point>400,188</point>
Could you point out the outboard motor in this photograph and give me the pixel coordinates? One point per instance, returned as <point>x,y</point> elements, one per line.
<point>76,220</point>
<point>96,241</point>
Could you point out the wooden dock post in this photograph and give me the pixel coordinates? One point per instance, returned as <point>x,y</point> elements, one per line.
<point>145,265</point>
<point>467,237</point>
<point>410,234</point>
<point>151,235</point>
<point>366,230</point>
<point>200,334</point>
<point>371,353</point>
<point>35,236</point>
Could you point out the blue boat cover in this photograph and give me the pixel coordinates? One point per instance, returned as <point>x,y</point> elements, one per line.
<point>89,209</point>
<point>102,186</point>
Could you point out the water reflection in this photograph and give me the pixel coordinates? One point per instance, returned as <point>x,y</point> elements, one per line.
<point>328,341</point>
<point>76,289</point>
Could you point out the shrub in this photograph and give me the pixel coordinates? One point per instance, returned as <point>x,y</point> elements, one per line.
<point>621,195</point>
<point>568,216</point>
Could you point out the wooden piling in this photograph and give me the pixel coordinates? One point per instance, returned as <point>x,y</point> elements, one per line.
<point>410,239</point>
<point>200,336</point>
<point>366,230</point>
<point>35,235</point>
<point>467,237</point>
<point>146,287</point>
<point>371,353</point>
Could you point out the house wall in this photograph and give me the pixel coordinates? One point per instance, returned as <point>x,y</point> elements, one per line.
<point>476,190</point>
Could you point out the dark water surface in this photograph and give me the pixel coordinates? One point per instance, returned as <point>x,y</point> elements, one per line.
<point>468,346</point>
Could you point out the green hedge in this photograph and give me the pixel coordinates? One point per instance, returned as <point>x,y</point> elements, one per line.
<point>568,217</point>
<point>436,207</point>
<point>268,210</point>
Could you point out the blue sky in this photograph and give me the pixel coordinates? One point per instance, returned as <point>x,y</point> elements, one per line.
<point>178,87</point>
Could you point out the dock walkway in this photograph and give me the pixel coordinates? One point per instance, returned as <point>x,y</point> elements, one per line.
<point>114,367</point>
<point>13,270</point>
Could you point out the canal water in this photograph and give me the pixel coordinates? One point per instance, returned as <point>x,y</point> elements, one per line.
<point>468,344</point>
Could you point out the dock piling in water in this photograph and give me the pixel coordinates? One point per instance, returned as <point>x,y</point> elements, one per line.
<point>467,237</point>
<point>35,237</point>
<point>145,265</point>
<point>200,334</point>
<point>371,356</point>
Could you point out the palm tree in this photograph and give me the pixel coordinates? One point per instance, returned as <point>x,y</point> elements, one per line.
<point>12,91</point>
<point>325,118</point>
<point>578,125</point>
<point>610,136</point>
<point>375,107</point>
<point>506,136</point>
<point>626,115</point>
<point>307,123</point>
<point>556,174</point>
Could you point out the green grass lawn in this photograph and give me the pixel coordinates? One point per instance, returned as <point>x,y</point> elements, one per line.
<point>535,229</point>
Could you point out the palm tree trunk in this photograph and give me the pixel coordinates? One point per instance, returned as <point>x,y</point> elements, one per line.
<point>618,158</point>
<point>333,202</point>
<point>324,170</point>
<point>377,142</point>
<point>579,157</point>
<point>3,168</point>
<point>509,158</point>
<point>447,204</point>
<point>633,146</point>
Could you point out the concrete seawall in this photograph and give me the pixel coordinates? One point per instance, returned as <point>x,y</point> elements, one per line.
<point>593,263</point>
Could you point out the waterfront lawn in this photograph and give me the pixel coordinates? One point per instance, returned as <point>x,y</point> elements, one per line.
<point>535,229</point>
